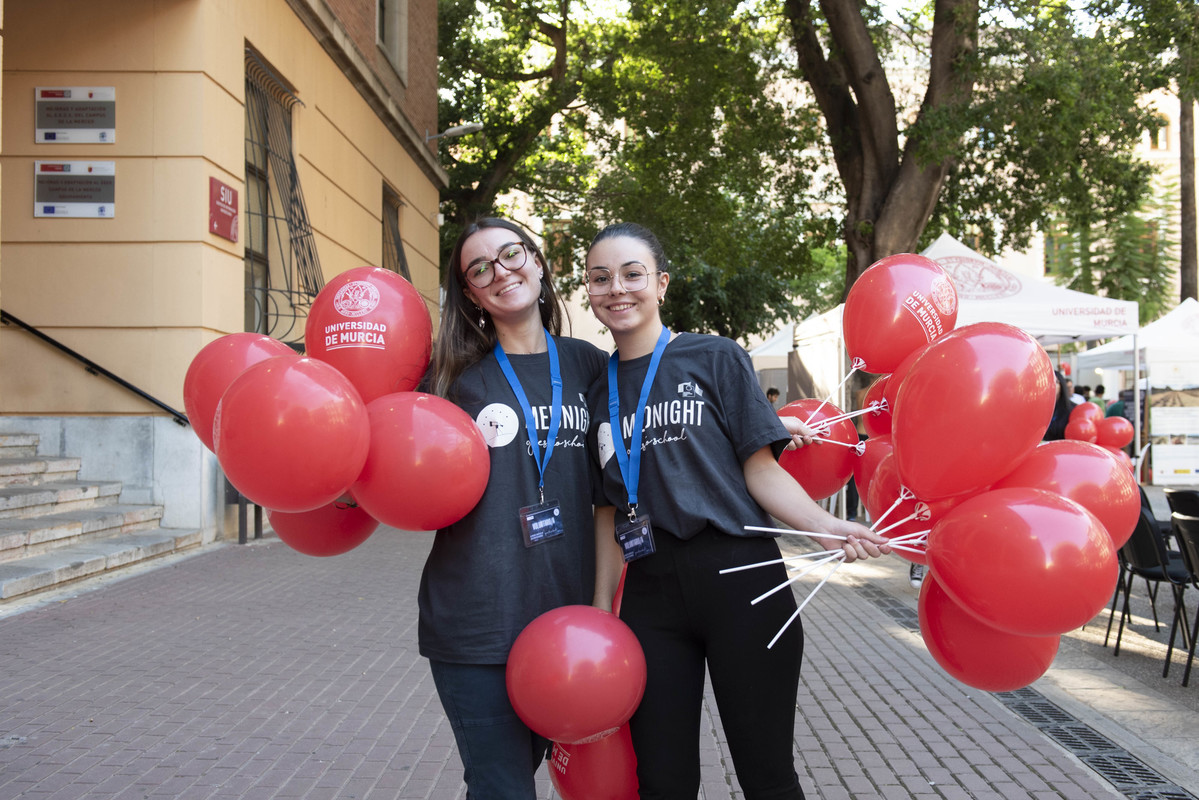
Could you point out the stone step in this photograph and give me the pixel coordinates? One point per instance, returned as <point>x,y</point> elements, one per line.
<point>21,537</point>
<point>56,497</point>
<point>34,470</point>
<point>89,558</point>
<point>18,445</point>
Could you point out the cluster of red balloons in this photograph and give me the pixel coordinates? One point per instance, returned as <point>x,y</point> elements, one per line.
<point>1021,534</point>
<point>335,442</point>
<point>1087,424</point>
<point>575,675</point>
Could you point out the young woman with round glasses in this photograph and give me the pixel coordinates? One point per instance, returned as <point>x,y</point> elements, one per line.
<point>688,444</point>
<point>501,357</point>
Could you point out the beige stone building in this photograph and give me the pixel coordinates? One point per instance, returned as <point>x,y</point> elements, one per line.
<point>130,129</point>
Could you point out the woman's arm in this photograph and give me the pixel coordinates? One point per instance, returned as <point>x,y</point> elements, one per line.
<point>784,499</point>
<point>609,561</point>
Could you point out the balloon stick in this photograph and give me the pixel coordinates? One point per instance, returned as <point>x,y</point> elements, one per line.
<point>798,576</point>
<point>812,594</point>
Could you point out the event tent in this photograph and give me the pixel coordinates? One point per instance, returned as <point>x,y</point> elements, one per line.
<point>1169,349</point>
<point>986,293</point>
<point>989,293</point>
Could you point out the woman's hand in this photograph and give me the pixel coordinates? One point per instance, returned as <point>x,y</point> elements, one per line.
<point>859,541</point>
<point>801,433</point>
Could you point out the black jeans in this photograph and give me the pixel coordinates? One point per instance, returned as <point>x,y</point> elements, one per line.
<point>686,615</point>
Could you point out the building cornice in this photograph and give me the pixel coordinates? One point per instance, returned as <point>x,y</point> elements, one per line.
<point>332,35</point>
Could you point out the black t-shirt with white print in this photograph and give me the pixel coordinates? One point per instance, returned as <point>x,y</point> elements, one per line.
<point>481,586</point>
<point>705,416</point>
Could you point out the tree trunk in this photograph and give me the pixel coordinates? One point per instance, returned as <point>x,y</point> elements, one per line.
<point>1186,135</point>
<point>890,195</point>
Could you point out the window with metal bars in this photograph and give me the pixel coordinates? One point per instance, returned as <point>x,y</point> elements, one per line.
<point>394,258</point>
<point>283,271</point>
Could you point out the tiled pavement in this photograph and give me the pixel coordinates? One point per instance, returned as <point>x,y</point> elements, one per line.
<point>255,672</point>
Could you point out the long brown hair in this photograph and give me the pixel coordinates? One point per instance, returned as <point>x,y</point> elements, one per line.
<point>461,342</point>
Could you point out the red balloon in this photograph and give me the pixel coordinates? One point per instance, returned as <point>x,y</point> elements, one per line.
<point>428,463</point>
<point>891,393</point>
<point>1087,410</point>
<point>1114,432</point>
<point>215,367</point>
<point>975,653</point>
<point>575,674</point>
<point>900,303</point>
<point>1081,429</point>
<point>1122,457</point>
<point>874,449</point>
<point>821,468</point>
<point>1025,561</point>
<point>374,327</point>
<point>600,770</point>
<point>326,531</point>
<point>972,406</point>
<point>878,421</point>
<point>291,433</point>
<point>1088,475</point>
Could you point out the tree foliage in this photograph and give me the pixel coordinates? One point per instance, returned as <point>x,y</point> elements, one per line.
<point>752,135</point>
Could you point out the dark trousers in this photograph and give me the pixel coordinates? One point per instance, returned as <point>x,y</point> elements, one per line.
<point>499,753</point>
<point>686,615</point>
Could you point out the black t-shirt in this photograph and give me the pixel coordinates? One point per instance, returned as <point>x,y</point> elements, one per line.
<point>705,416</point>
<point>481,586</point>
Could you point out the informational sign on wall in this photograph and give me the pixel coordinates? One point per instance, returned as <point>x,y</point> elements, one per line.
<point>75,115</point>
<point>222,209</point>
<point>74,189</point>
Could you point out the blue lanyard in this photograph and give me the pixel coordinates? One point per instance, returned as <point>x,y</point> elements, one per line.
<point>630,459</point>
<point>542,461</point>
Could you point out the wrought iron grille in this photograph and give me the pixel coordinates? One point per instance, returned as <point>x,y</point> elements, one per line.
<point>283,271</point>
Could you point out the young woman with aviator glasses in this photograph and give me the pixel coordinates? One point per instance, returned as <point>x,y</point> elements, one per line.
<point>529,544</point>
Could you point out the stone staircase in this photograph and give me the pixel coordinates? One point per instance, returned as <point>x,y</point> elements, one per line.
<point>56,529</point>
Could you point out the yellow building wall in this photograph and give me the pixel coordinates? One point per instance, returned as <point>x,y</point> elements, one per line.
<point>141,293</point>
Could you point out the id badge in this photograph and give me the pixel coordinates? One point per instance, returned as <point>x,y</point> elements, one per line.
<point>541,522</point>
<point>636,538</point>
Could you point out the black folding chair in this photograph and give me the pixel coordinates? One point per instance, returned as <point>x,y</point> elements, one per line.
<point>1183,501</point>
<point>1186,528</point>
<point>1145,556</point>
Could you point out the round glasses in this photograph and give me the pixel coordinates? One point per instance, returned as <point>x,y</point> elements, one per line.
<point>632,278</point>
<point>512,257</point>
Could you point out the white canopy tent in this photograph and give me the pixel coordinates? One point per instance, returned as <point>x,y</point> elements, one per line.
<point>989,293</point>
<point>986,293</point>
<point>1168,347</point>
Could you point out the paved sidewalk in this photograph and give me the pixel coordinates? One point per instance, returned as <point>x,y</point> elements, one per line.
<point>255,672</point>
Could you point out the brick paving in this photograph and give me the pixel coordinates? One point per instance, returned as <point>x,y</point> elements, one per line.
<point>255,672</point>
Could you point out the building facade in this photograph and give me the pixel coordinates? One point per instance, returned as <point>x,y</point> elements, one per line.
<point>177,170</point>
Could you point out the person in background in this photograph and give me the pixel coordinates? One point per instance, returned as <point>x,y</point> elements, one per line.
<point>688,476</point>
<point>1075,397</point>
<point>1097,397</point>
<point>1061,410</point>
<point>501,359</point>
<point>772,394</point>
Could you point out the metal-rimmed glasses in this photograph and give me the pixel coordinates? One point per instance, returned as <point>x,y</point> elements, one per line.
<point>633,278</point>
<point>512,257</point>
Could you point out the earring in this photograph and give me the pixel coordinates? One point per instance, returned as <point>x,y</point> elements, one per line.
<point>661,300</point>
<point>482,319</point>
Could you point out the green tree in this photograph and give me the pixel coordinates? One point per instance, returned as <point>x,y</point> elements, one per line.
<point>517,68</point>
<point>1169,31</point>
<point>697,145</point>
<point>1130,258</point>
<point>666,115</point>
<point>1027,109</point>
